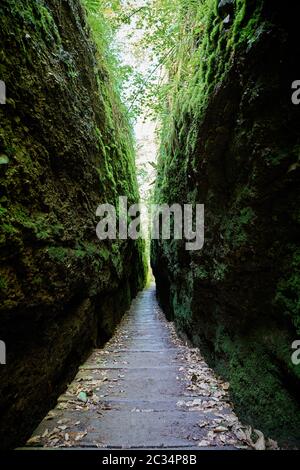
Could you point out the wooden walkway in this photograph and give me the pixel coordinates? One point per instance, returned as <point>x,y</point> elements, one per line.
<point>145,389</point>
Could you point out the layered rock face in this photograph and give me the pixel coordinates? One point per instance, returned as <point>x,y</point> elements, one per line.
<point>65,148</point>
<point>231,142</point>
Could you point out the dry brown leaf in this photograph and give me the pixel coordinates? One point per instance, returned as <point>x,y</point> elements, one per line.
<point>63,427</point>
<point>80,435</point>
<point>45,433</point>
<point>220,429</point>
<point>225,386</point>
<point>34,440</point>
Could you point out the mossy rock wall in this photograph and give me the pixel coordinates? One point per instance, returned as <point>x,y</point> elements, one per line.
<point>231,141</point>
<point>65,147</point>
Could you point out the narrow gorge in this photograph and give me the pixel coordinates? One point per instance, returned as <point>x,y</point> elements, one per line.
<point>228,136</point>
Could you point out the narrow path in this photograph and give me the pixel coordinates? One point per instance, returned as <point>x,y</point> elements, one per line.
<point>144,389</point>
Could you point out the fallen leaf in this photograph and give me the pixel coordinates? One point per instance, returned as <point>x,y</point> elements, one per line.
<point>34,440</point>
<point>240,435</point>
<point>45,433</point>
<point>260,443</point>
<point>271,444</point>
<point>80,436</point>
<point>220,429</point>
<point>203,424</point>
<point>225,386</point>
<point>54,442</point>
<point>82,397</point>
<point>50,415</point>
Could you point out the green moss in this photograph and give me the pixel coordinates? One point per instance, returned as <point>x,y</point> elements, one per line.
<point>4,160</point>
<point>235,227</point>
<point>3,283</point>
<point>200,272</point>
<point>182,306</point>
<point>3,210</point>
<point>220,270</point>
<point>38,281</point>
<point>9,229</point>
<point>33,21</point>
<point>254,380</point>
<point>247,24</point>
<point>205,67</point>
<point>58,253</point>
<point>42,226</point>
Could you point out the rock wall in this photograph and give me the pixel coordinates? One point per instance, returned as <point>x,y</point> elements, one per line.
<point>65,147</point>
<point>231,141</point>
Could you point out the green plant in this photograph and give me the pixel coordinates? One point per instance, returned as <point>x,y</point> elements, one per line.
<point>57,253</point>
<point>3,283</point>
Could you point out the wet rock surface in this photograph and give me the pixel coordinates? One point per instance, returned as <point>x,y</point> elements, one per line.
<point>66,147</point>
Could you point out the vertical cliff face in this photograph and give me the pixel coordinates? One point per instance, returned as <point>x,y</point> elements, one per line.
<point>65,148</point>
<point>231,141</point>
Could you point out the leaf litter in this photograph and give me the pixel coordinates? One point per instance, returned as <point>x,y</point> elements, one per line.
<point>210,395</point>
<point>205,393</point>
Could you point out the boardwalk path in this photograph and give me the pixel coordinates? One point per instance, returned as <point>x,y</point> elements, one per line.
<point>144,389</point>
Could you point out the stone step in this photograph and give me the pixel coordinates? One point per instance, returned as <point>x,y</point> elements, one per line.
<point>143,429</point>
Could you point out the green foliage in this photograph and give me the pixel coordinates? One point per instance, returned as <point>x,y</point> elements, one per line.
<point>115,137</point>
<point>57,253</point>
<point>9,229</point>
<point>42,226</point>
<point>3,210</point>
<point>103,18</point>
<point>235,229</point>
<point>36,18</point>
<point>220,270</point>
<point>200,272</point>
